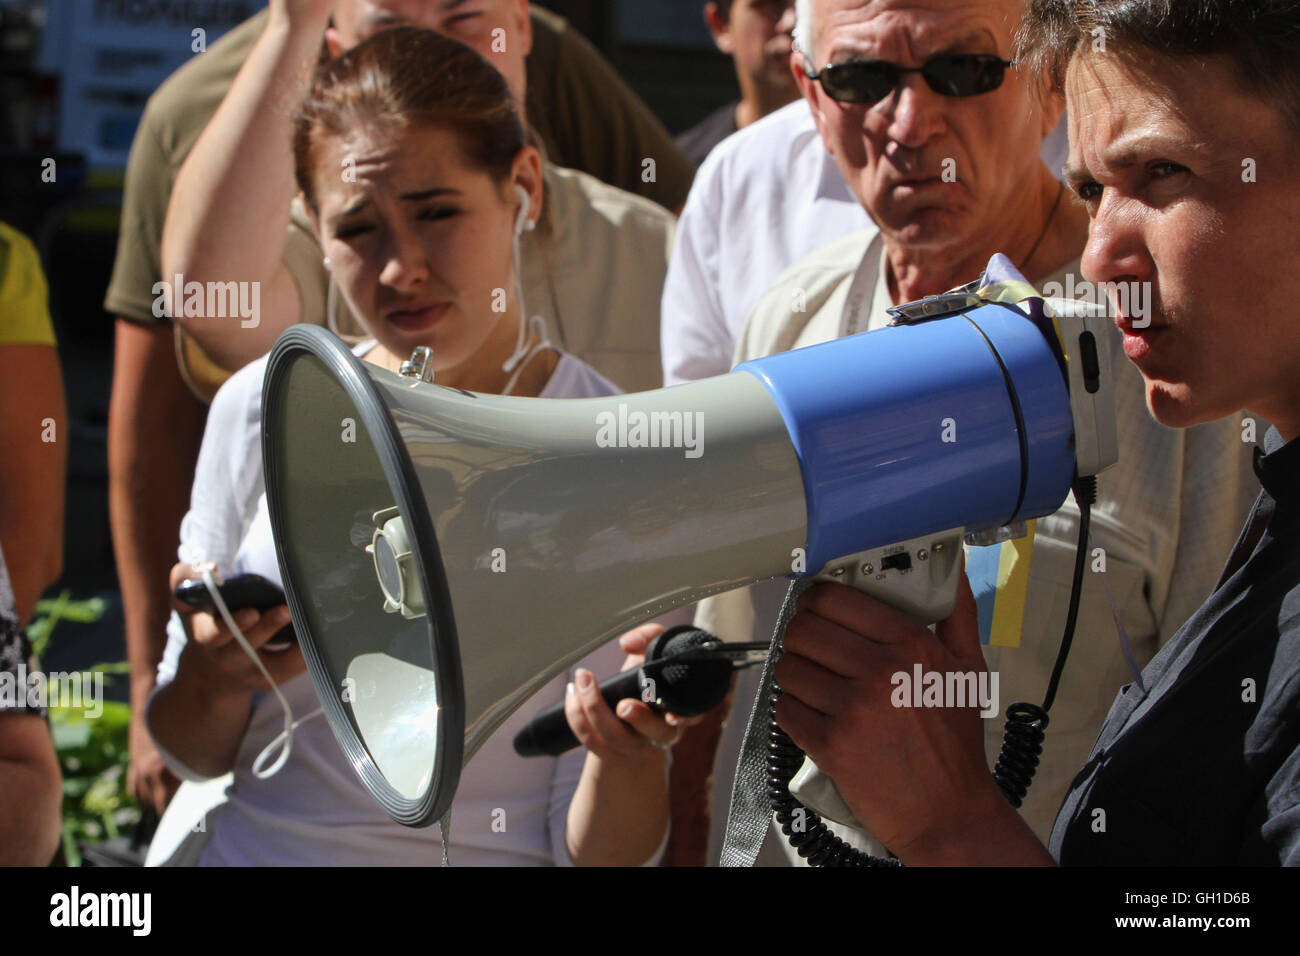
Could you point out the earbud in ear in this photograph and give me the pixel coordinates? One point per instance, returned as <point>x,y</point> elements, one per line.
<point>522,222</point>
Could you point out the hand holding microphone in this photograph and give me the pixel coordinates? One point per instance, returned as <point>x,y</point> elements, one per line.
<point>610,719</point>
<point>685,672</point>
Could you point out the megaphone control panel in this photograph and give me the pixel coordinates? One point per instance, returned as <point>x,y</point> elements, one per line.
<point>919,577</point>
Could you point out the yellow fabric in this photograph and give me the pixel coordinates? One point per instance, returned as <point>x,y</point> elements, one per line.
<point>1012,590</point>
<point>202,375</point>
<point>1015,292</point>
<point>24,296</point>
<point>1008,290</point>
<point>1017,554</point>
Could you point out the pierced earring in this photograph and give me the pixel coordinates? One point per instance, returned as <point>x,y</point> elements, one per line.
<point>326,263</point>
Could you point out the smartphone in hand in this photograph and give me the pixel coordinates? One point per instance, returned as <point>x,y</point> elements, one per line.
<point>239,592</point>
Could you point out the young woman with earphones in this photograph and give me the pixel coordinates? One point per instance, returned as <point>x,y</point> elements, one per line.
<point>419,178</point>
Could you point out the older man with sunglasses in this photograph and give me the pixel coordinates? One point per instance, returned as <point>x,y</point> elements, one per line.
<point>764,198</point>
<point>937,135</point>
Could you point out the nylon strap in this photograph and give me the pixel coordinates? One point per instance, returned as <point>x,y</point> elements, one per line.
<point>751,812</point>
<point>444,832</point>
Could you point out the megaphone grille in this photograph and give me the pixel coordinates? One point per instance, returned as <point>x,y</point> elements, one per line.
<point>398,679</point>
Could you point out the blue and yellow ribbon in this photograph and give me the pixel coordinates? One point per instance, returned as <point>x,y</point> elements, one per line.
<point>999,576</point>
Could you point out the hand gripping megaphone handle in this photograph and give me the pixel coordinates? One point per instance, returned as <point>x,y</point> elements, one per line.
<point>918,577</point>
<point>889,575</point>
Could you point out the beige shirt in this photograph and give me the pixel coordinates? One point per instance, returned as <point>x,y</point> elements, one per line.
<point>593,269</point>
<point>1167,516</point>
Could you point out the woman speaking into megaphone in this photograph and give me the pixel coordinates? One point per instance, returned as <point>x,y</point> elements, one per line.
<point>1198,761</point>
<point>419,179</point>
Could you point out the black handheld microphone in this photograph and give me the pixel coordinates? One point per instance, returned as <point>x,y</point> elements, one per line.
<point>687,671</point>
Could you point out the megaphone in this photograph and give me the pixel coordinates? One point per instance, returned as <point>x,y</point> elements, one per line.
<point>445,553</point>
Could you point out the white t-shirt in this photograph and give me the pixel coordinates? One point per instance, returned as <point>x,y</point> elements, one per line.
<point>508,810</point>
<point>764,198</point>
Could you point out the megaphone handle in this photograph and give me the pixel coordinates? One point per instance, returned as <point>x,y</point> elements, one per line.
<point>918,577</point>
<point>780,757</point>
<point>1022,740</point>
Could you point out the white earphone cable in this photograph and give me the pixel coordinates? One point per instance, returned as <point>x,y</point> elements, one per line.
<point>284,740</point>
<point>517,355</point>
<point>523,352</point>
<point>542,343</point>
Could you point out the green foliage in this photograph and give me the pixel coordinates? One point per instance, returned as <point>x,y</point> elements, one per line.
<point>62,608</point>
<point>93,757</point>
<point>93,752</point>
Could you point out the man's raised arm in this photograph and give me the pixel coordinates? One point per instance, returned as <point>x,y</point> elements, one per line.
<point>229,209</point>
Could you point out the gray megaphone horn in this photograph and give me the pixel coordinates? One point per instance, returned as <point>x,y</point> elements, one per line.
<point>445,553</point>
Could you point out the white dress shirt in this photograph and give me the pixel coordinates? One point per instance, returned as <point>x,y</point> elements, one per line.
<point>763,199</point>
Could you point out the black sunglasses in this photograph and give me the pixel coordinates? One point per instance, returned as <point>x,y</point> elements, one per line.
<point>869,81</point>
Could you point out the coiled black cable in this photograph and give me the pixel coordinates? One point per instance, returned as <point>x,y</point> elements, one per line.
<point>1022,745</point>
<point>803,827</point>
<point>1022,740</point>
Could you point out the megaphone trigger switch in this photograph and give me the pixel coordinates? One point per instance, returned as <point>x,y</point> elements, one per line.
<point>1091,363</point>
<point>394,565</point>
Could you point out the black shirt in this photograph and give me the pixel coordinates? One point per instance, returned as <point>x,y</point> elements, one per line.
<point>1204,768</point>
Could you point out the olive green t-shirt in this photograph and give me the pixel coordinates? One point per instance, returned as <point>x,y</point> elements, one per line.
<point>591,121</point>
<point>586,116</point>
<point>173,119</point>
